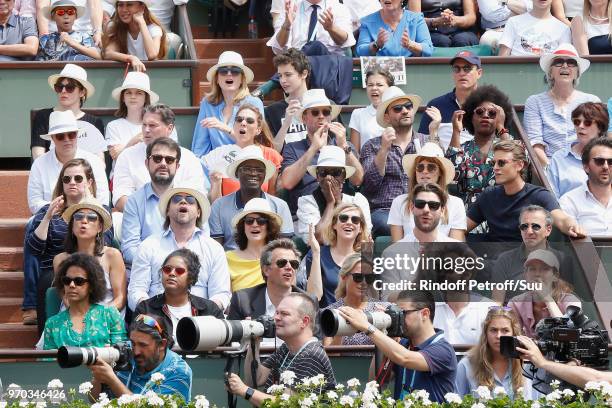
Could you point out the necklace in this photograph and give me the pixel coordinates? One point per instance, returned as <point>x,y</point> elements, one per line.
<point>598,18</point>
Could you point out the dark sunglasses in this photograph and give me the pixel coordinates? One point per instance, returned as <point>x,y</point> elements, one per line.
<point>330,172</point>
<point>149,321</point>
<point>343,218</point>
<point>500,163</point>
<point>78,281</point>
<point>157,158</point>
<point>491,113</point>
<point>177,269</point>
<point>68,87</point>
<point>433,205</point>
<point>359,277</point>
<point>398,108</point>
<point>465,68</point>
<point>91,217</point>
<point>61,12</point>
<point>177,198</point>
<point>534,227</point>
<point>258,220</point>
<point>600,161</point>
<point>61,136</point>
<point>240,119</point>
<point>229,70</point>
<point>559,62</point>
<point>586,122</point>
<point>496,307</point>
<point>281,263</point>
<point>431,167</point>
<point>77,179</point>
<point>317,112</point>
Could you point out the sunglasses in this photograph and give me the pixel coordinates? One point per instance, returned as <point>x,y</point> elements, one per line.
<point>433,205</point>
<point>149,321</point>
<point>317,112</point>
<point>534,227</point>
<point>330,172</point>
<point>68,87</point>
<point>177,198</point>
<point>91,217</point>
<point>465,68</point>
<point>258,220</point>
<point>500,163</point>
<point>61,136</point>
<point>177,269</point>
<point>491,113</point>
<point>504,308</point>
<point>252,170</point>
<point>559,62</point>
<point>281,263</point>
<point>157,158</point>
<point>600,161</point>
<point>431,167</point>
<point>586,122</point>
<point>240,119</point>
<point>359,277</point>
<point>229,70</point>
<point>77,179</point>
<point>61,12</point>
<point>398,108</point>
<point>343,218</point>
<point>78,281</point>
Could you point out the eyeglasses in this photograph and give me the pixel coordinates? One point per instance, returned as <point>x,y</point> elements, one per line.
<point>229,70</point>
<point>559,62</point>
<point>240,119</point>
<point>157,158</point>
<point>586,122</point>
<point>407,311</point>
<point>465,68</point>
<point>68,87</point>
<point>78,281</point>
<point>149,321</point>
<point>500,163</point>
<point>61,136</point>
<point>77,179</point>
<point>398,108</point>
<point>433,205</point>
<point>258,220</point>
<point>281,263</point>
<point>534,227</point>
<point>491,113</point>
<point>61,12</point>
<point>177,198</point>
<point>317,112</point>
<point>330,172</point>
<point>80,216</point>
<point>431,167</point>
<point>504,308</point>
<point>177,269</point>
<point>600,161</point>
<point>344,218</point>
<point>360,277</point>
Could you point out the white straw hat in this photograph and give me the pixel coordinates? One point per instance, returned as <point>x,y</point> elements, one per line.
<point>432,151</point>
<point>91,203</point>
<point>61,122</point>
<point>331,156</point>
<point>230,59</point>
<point>392,94</point>
<point>75,72</point>
<point>256,205</point>
<point>62,3</point>
<point>136,80</point>
<point>185,189</point>
<point>314,98</point>
<point>564,51</point>
<point>251,152</point>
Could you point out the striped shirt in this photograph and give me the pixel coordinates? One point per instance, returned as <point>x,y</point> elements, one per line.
<point>549,125</point>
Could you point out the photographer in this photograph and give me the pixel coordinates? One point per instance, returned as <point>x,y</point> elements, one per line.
<point>572,374</point>
<point>151,344</point>
<point>424,359</point>
<point>301,353</point>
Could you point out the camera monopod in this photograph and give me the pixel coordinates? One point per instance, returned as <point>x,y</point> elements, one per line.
<point>233,358</point>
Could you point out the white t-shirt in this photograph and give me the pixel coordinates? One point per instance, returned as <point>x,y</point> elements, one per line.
<point>456,216</point>
<point>176,314</point>
<point>573,8</point>
<point>526,35</point>
<point>121,131</point>
<point>136,46</point>
<point>363,120</point>
<point>90,138</point>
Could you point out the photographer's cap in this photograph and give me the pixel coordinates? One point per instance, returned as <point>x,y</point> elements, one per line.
<point>545,256</point>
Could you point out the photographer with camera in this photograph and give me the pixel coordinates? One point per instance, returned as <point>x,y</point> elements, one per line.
<point>423,359</point>
<point>151,345</point>
<point>301,352</point>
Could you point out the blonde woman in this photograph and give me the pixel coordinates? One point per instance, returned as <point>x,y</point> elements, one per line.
<point>591,31</point>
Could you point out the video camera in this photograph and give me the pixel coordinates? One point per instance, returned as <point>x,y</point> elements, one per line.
<point>203,333</point>
<point>118,356</point>
<point>391,321</point>
<point>573,336</point>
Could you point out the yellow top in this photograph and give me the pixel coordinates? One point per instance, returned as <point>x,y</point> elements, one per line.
<point>244,273</point>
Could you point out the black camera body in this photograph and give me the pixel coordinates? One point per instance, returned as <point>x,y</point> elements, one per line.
<point>397,315</point>
<point>268,324</point>
<point>118,356</point>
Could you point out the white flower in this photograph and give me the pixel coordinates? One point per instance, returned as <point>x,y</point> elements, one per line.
<point>483,393</point>
<point>553,396</point>
<point>24,404</point>
<point>592,386</point>
<point>555,384</point>
<point>346,400</point>
<point>422,395</point>
<point>154,400</point>
<point>567,393</point>
<point>157,378</point>
<point>499,391</point>
<point>126,399</point>
<point>372,386</point>
<point>353,382</point>
<point>201,402</point>
<point>13,385</point>
<point>478,405</point>
<point>452,398</point>
<point>55,384</point>
<point>85,387</point>
<point>535,404</point>
<point>390,401</point>
<point>287,377</point>
<point>41,404</point>
<point>332,395</point>
<point>318,379</point>
<point>275,389</point>
<point>368,397</point>
<point>285,397</point>
<point>306,402</point>
<point>340,387</point>
<point>307,381</point>
<point>97,405</point>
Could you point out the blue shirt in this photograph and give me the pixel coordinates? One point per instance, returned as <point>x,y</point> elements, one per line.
<point>53,49</point>
<point>207,139</point>
<point>610,113</point>
<point>177,375</point>
<point>413,23</point>
<point>442,363</point>
<point>447,104</point>
<point>329,275</point>
<point>141,219</point>
<point>565,171</point>
<point>467,384</point>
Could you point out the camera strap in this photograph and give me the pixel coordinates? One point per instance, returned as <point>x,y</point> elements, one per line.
<point>414,372</point>
<point>283,367</point>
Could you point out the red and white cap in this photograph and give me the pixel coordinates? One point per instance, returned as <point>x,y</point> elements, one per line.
<point>565,51</point>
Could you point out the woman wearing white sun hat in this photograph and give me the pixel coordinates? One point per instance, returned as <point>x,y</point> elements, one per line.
<point>229,79</point>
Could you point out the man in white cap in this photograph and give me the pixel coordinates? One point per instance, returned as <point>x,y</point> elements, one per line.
<point>317,114</point>
<point>185,210</point>
<point>317,208</point>
<point>19,40</point>
<point>381,157</point>
<point>251,170</point>
<point>130,169</point>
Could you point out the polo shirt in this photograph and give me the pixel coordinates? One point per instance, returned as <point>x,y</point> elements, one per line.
<point>464,328</point>
<point>565,172</point>
<point>225,208</point>
<point>15,31</point>
<point>590,214</point>
<point>439,380</point>
<point>501,211</point>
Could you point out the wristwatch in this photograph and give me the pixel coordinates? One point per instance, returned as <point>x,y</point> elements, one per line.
<point>370,330</point>
<point>347,149</point>
<point>376,47</point>
<point>249,393</point>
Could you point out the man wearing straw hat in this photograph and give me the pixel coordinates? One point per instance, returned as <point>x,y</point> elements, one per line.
<point>19,36</point>
<point>317,114</point>
<point>185,210</point>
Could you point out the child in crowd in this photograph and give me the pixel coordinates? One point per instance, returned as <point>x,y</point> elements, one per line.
<point>65,44</point>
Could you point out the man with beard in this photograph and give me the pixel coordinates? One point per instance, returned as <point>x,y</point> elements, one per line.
<point>151,343</point>
<point>185,210</point>
<point>591,203</point>
<point>427,206</point>
<point>381,157</point>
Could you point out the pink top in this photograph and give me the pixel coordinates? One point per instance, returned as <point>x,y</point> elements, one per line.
<point>522,305</point>
<point>25,8</point>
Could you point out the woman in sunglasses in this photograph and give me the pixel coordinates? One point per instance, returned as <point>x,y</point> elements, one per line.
<point>179,272</point>
<point>565,171</point>
<point>250,128</point>
<point>254,227</point>
<point>85,322</point>
<point>229,79</point>
<point>87,221</point>
<point>321,265</point>
<point>485,114</point>
<point>484,365</point>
